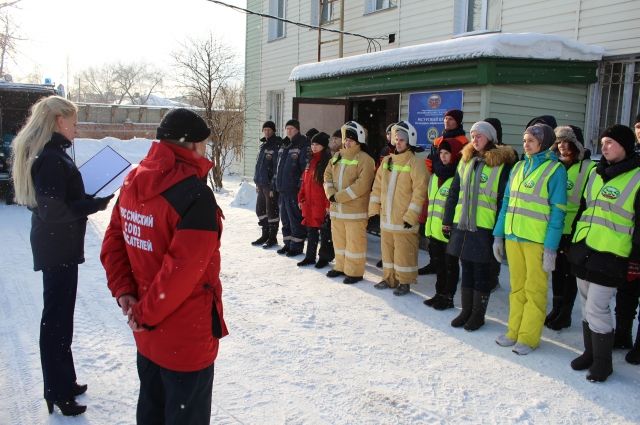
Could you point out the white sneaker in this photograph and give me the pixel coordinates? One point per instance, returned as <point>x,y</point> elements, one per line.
<point>522,349</point>
<point>504,341</point>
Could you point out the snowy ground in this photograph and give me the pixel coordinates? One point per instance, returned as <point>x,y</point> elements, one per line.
<point>302,349</point>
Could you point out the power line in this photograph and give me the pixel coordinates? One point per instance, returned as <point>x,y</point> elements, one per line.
<point>373,43</point>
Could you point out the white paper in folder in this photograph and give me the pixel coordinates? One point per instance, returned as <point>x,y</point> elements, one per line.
<point>104,172</point>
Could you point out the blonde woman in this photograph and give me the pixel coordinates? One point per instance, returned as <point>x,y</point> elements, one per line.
<point>48,182</point>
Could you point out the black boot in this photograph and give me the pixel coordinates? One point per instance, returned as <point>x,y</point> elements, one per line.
<point>77,389</point>
<point>480,302</point>
<point>272,240</point>
<point>466,299</point>
<point>68,407</point>
<point>321,263</point>
<point>584,360</point>
<point>443,302</point>
<point>633,356</point>
<point>312,249</point>
<point>306,262</point>
<point>563,319</point>
<point>602,365</point>
<point>431,301</point>
<point>623,337</point>
<point>555,310</point>
<point>428,269</point>
<point>262,239</point>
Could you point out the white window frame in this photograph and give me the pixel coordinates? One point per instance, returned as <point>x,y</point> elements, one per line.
<point>331,11</point>
<point>277,29</point>
<point>275,108</point>
<point>461,17</point>
<point>372,6</point>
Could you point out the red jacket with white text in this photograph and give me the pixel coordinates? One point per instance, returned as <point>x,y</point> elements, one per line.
<point>162,246</point>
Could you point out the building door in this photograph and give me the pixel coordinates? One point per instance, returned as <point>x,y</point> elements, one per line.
<point>375,113</point>
<point>326,115</point>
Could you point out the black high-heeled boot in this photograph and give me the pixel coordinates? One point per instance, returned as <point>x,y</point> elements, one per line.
<point>77,389</point>
<point>67,408</point>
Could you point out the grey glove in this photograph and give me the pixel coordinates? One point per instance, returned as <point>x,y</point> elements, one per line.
<point>498,249</point>
<point>549,260</point>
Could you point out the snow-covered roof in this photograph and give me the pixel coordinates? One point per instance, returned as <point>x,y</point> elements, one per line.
<point>495,45</point>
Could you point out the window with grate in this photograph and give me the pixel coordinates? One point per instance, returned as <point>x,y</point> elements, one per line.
<point>619,92</point>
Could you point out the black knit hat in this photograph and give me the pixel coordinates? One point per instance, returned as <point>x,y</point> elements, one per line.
<point>623,135</point>
<point>269,124</point>
<point>293,123</point>
<point>337,133</point>
<point>456,114</point>
<point>183,125</point>
<point>321,138</point>
<point>311,132</point>
<point>495,122</point>
<point>549,120</point>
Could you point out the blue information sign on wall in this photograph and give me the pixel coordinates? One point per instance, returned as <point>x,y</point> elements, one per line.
<point>426,112</point>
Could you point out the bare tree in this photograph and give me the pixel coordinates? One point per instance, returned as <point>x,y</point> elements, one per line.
<point>115,82</point>
<point>97,84</point>
<point>227,131</point>
<point>136,81</point>
<point>8,34</point>
<point>206,69</point>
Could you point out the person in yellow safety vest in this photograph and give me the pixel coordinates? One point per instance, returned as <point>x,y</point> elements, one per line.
<point>399,190</point>
<point>605,250</point>
<point>347,184</point>
<point>470,215</point>
<point>531,220</point>
<point>446,266</point>
<point>627,298</point>
<point>571,154</point>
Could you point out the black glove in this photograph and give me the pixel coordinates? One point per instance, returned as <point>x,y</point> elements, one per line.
<point>101,203</point>
<point>446,231</point>
<point>332,198</point>
<point>407,225</point>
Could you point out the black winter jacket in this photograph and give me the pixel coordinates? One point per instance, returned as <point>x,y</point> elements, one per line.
<point>59,220</point>
<point>267,161</point>
<point>605,268</point>
<point>292,160</point>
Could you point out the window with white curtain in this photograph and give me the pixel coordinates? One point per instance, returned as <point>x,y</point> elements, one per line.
<point>275,104</point>
<point>477,16</point>
<point>276,27</point>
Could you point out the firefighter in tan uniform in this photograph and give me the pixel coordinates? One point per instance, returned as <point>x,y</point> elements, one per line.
<point>347,184</point>
<point>399,190</point>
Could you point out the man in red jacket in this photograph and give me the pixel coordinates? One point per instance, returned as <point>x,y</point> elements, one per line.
<point>161,253</point>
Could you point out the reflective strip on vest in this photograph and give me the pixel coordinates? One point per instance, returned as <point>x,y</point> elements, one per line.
<point>576,182</point>
<point>487,205</point>
<point>528,211</point>
<point>435,209</point>
<point>398,168</point>
<point>608,222</point>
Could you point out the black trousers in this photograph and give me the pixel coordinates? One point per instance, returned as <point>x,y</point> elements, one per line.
<point>563,282</point>
<point>173,398</point>
<point>267,207</point>
<point>321,235</point>
<point>478,276</point>
<point>447,268</point>
<point>293,232</point>
<point>56,331</point>
<point>627,300</point>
